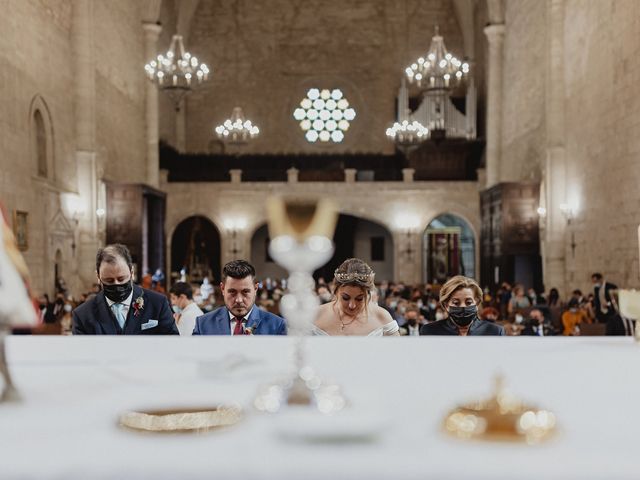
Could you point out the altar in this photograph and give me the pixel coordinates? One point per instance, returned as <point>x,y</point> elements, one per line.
<point>75,388</point>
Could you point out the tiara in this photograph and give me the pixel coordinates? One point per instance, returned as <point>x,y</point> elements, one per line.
<point>350,277</point>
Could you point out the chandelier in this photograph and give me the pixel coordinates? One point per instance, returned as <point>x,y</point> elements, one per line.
<point>407,133</point>
<point>176,71</point>
<point>438,71</point>
<point>236,130</point>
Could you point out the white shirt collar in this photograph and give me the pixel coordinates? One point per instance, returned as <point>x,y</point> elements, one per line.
<point>126,301</point>
<point>232,317</point>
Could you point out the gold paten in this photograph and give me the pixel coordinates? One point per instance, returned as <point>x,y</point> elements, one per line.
<point>501,418</point>
<point>193,420</point>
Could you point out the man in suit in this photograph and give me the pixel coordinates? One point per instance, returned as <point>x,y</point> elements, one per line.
<point>239,316</point>
<point>604,310</point>
<point>122,308</point>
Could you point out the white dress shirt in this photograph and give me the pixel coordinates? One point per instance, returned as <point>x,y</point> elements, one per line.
<point>232,319</point>
<point>187,321</point>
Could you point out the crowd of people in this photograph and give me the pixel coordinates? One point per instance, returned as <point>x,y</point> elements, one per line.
<point>351,304</point>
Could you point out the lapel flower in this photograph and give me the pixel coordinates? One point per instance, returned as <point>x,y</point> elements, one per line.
<point>138,306</point>
<point>249,330</point>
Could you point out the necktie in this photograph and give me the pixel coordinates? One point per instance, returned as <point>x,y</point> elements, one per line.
<point>117,311</point>
<point>239,328</point>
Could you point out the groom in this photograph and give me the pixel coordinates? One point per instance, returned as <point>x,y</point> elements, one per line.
<point>239,316</point>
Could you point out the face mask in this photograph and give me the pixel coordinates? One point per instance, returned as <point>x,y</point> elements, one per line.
<point>433,305</point>
<point>402,310</point>
<point>439,315</point>
<point>176,309</point>
<point>412,322</point>
<point>197,299</point>
<point>68,308</point>
<point>463,316</point>
<point>117,293</point>
<point>393,305</point>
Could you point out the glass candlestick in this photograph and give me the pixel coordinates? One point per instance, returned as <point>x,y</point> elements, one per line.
<point>300,232</point>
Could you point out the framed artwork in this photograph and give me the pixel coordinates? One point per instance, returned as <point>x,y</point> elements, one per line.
<point>21,229</point>
<point>443,259</point>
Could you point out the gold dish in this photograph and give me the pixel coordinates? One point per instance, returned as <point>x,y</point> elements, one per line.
<point>184,420</point>
<point>502,417</point>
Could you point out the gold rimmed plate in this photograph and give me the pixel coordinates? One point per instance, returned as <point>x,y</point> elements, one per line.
<point>181,420</point>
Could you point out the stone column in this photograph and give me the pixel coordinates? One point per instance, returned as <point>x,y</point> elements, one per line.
<point>407,174</point>
<point>236,175</point>
<point>88,179</point>
<point>555,175</point>
<point>151,33</point>
<point>495,36</point>
<point>350,175</point>
<point>292,175</point>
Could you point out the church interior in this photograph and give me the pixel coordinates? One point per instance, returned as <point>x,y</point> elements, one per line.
<point>490,139</point>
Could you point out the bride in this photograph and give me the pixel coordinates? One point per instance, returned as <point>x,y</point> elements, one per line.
<point>352,312</point>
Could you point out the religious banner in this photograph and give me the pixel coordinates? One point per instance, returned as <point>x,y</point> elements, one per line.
<point>443,254</point>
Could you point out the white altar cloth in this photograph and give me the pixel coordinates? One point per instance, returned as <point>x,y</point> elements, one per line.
<point>74,388</point>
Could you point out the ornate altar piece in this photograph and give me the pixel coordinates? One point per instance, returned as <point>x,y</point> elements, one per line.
<point>502,417</point>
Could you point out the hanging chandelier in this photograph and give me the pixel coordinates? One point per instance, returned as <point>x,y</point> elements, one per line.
<point>177,71</point>
<point>406,134</point>
<point>438,71</point>
<point>237,130</point>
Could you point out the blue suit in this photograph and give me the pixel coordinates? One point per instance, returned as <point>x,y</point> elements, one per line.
<point>218,323</point>
<point>94,317</point>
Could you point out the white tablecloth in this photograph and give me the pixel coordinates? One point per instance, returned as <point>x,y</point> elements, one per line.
<point>75,387</point>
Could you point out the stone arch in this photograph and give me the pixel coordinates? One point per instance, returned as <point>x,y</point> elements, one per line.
<point>450,247</point>
<point>41,138</point>
<point>195,244</point>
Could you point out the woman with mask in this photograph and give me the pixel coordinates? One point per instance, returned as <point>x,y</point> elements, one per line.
<point>460,298</point>
<point>352,312</point>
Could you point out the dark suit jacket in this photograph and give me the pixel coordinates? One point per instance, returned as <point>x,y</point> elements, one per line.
<point>94,317</point>
<point>601,316</point>
<point>447,327</point>
<point>218,323</point>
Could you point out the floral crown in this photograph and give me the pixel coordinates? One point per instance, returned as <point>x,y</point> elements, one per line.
<point>350,277</point>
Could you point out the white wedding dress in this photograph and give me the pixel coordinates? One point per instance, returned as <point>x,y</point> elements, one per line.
<point>387,329</point>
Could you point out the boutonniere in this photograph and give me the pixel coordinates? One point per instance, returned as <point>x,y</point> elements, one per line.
<point>138,306</point>
<point>249,330</point>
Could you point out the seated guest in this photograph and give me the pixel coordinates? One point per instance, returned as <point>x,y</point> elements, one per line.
<point>239,316</point>
<point>519,300</point>
<point>460,297</point>
<point>536,325</point>
<point>352,312</point>
<point>573,318</point>
<point>489,314</point>
<point>185,309</point>
<point>122,308</point>
<point>412,321</point>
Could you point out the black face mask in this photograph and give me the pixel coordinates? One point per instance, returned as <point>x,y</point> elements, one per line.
<point>463,316</point>
<point>412,322</point>
<point>117,293</point>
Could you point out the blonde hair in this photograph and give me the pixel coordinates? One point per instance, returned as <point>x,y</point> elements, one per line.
<point>458,283</point>
<point>356,273</point>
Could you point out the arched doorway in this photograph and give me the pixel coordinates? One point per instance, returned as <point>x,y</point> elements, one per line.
<point>195,246</point>
<point>449,249</point>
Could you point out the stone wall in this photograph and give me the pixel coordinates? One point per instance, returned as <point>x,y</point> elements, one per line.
<point>393,205</point>
<point>284,47</point>
<point>602,145</point>
<point>37,68</point>
<point>523,100</point>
